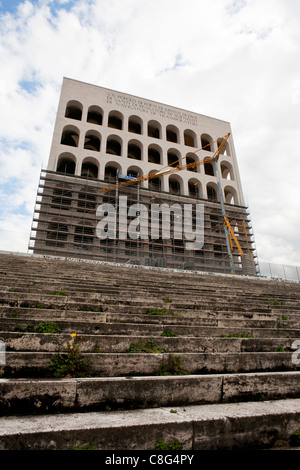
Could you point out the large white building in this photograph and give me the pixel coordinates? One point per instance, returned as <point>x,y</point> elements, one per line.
<point>100,136</point>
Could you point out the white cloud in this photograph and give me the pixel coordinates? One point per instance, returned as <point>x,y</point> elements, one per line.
<point>235,60</point>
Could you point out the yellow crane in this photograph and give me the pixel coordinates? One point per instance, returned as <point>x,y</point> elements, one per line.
<point>170,169</point>
<point>176,167</point>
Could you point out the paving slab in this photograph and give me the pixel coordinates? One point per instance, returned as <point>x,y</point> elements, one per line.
<point>203,427</point>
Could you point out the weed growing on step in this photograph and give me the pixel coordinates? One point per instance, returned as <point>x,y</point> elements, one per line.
<point>281,349</point>
<point>275,302</point>
<point>147,345</point>
<point>71,364</point>
<point>61,292</point>
<point>161,311</point>
<point>87,447</point>
<point>295,439</point>
<point>173,366</point>
<point>47,327</point>
<point>156,311</point>
<point>168,334</point>
<point>172,445</point>
<point>282,318</point>
<point>43,327</point>
<point>25,329</point>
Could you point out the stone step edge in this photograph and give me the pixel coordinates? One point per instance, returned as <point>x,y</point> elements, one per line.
<point>96,326</point>
<point>121,343</point>
<point>204,427</point>
<point>36,364</point>
<point>172,320</point>
<point>27,396</point>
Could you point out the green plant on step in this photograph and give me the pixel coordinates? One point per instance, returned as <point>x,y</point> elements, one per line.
<point>82,447</point>
<point>156,311</point>
<point>275,302</point>
<point>147,345</point>
<point>282,318</point>
<point>160,311</point>
<point>72,363</point>
<point>43,327</point>
<point>61,292</point>
<point>173,366</point>
<point>172,445</point>
<point>168,334</point>
<point>29,328</point>
<point>295,439</point>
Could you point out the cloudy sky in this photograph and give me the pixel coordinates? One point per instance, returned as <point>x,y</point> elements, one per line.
<point>236,60</point>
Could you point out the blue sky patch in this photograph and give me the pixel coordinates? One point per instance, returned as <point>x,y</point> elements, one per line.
<point>31,86</point>
<point>10,6</point>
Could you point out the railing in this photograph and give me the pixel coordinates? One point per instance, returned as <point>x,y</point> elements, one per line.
<point>279,271</point>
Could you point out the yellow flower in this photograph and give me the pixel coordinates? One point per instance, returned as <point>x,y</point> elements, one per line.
<point>73,335</point>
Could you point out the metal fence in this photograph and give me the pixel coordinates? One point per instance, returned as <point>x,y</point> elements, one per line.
<point>279,271</point>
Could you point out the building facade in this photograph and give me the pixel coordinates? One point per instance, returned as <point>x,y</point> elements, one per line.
<point>102,139</point>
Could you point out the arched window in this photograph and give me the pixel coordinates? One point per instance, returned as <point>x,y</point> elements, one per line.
<point>191,159</point>
<point>57,234</point>
<point>84,236</point>
<point>134,171</point>
<point>111,172</point>
<point>190,138</point>
<point>154,183</point>
<point>230,195</point>
<point>66,164</point>
<point>172,134</point>
<point>212,192</point>
<point>95,115</point>
<point>86,200</point>
<point>74,110</point>
<point>135,125</point>
<point>92,141</point>
<point>174,185</point>
<point>70,136</point>
<point>62,197</point>
<point>209,168</point>
<point>225,149</point>
<point>194,188</point>
<point>227,171</point>
<point>174,158</point>
<point>114,145</point>
<point>89,169</point>
<point>115,120</point>
<point>154,154</point>
<point>154,129</point>
<point>207,142</point>
<point>134,150</point>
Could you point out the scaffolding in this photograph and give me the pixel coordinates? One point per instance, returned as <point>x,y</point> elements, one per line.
<point>65,225</point>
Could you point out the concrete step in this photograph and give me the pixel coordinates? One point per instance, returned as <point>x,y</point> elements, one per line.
<point>230,426</point>
<point>114,325</point>
<point>240,325</point>
<point>36,396</point>
<point>36,364</point>
<point>18,308</point>
<point>145,298</point>
<point>47,342</point>
<point>216,400</point>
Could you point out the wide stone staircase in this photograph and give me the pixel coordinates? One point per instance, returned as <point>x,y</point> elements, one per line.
<point>101,356</point>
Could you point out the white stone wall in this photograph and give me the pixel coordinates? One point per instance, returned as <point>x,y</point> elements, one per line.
<point>87,95</point>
